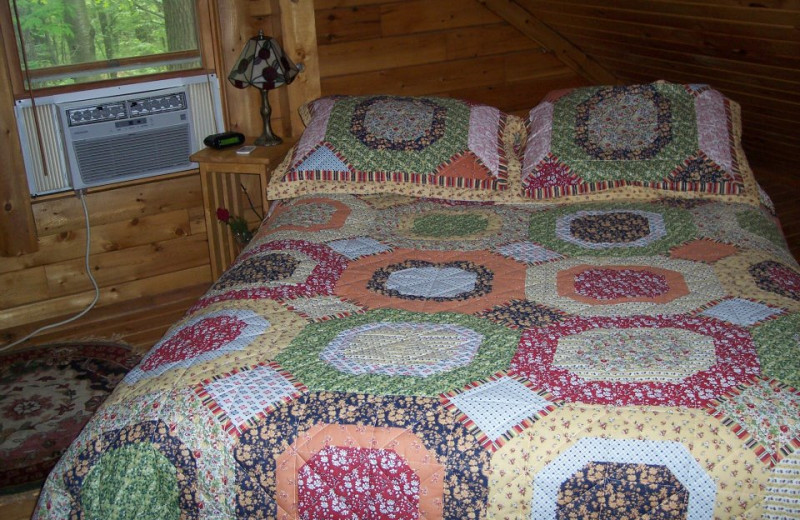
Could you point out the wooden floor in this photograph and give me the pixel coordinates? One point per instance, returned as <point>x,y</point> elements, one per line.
<point>142,323</point>
<point>139,323</point>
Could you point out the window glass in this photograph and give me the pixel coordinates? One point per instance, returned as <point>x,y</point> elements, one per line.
<point>75,41</point>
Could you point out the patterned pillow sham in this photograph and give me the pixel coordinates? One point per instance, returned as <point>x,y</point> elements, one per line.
<point>423,146</point>
<point>636,141</point>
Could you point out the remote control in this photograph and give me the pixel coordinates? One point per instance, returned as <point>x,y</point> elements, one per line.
<point>245,150</point>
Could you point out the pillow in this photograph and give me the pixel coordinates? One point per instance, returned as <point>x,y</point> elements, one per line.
<point>422,146</point>
<point>645,141</point>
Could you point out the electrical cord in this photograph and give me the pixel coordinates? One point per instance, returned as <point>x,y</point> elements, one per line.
<point>88,272</point>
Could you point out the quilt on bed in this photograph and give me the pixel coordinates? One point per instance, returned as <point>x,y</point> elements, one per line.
<point>382,356</point>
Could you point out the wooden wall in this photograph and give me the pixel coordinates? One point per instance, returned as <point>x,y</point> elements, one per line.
<point>454,48</point>
<point>147,239</point>
<point>748,50</point>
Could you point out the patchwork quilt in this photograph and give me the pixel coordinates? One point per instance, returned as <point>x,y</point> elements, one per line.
<point>390,357</point>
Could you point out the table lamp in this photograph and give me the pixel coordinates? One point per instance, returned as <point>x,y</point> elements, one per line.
<point>264,65</point>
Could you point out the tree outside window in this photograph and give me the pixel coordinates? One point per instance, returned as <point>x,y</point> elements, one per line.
<point>77,41</point>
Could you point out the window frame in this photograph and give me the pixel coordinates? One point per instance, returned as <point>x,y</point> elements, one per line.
<point>204,30</point>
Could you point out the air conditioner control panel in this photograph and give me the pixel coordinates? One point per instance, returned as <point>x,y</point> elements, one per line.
<point>126,109</point>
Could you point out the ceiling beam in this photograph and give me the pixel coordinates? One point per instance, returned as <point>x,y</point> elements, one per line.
<point>516,14</point>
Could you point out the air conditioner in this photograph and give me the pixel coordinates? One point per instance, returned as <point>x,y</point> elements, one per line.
<point>127,137</point>
<point>116,134</point>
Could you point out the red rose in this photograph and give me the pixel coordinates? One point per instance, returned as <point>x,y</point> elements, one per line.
<point>223,214</point>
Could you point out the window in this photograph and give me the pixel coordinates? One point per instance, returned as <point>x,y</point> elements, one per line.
<point>76,41</point>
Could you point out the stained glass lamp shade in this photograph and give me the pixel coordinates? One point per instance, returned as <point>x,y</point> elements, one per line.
<point>264,65</point>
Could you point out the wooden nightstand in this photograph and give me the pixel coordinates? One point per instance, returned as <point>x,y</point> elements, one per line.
<point>222,173</point>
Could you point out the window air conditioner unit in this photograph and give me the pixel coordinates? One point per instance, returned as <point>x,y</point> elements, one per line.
<point>127,137</point>
<point>114,134</point>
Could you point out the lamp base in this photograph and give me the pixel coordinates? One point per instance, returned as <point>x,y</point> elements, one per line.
<point>267,138</point>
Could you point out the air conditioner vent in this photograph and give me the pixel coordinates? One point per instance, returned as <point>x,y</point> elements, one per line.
<point>119,157</point>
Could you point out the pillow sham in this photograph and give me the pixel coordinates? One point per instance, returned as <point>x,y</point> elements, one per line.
<point>421,146</point>
<point>638,141</point>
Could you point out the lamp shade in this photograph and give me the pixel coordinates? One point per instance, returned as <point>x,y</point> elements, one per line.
<point>263,64</point>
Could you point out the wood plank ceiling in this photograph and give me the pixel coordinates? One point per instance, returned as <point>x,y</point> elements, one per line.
<point>749,50</point>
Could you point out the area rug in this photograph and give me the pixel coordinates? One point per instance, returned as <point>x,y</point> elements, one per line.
<point>47,394</point>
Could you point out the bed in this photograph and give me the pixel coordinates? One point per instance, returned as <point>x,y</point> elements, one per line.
<point>455,313</point>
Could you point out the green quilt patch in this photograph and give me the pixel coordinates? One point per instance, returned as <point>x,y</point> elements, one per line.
<point>377,142</point>
<point>759,224</point>
<point>112,494</point>
<point>395,352</point>
<point>612,229</point>
<point>778,346</point>
<point>449,224</point>
<point>638,133</point>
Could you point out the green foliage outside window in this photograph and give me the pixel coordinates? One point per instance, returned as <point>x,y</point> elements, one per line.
<point>71,32</point>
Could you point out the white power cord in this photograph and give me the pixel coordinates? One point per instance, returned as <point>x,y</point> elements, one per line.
<point>88,272</point>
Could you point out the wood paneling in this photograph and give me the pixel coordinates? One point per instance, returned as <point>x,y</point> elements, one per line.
<point>54,308</point>
<point>300,43</point>
<point>134,263</point>
<point>342,24</point>
<point>140,322</point>
<point>748,50</point>
<point>445,47</point>
<point>532,27</point>
<point>115,205</point>
<point>117,235</point>
<point>516,98</point>
<point>19,507</point>
<point>147,240</point>
<point>416,16</point>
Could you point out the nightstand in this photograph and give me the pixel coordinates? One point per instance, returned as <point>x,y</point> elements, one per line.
<point>222,174</point>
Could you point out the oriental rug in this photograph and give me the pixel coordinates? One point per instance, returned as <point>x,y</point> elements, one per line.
<point>47,394</point>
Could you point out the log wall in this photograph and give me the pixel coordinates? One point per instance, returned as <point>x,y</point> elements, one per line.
<point>451,48</point>
<point>748,50</point>
<point>146,239</point>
